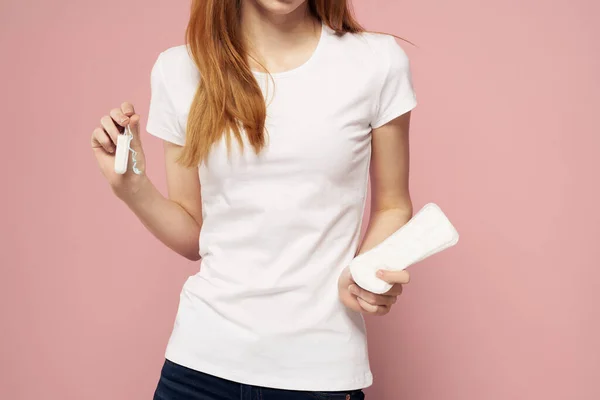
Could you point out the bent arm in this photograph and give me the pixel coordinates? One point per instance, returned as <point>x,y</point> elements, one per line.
<point>175,220</point>
<point>391,205</point>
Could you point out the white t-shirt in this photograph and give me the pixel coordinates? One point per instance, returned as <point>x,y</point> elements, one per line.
<point>280,227</point>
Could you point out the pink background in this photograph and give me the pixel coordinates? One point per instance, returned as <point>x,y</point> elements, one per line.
<point>505,139</point>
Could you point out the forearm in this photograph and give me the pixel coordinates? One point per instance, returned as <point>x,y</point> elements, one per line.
<point>382,224</point>
<point>168,221</point>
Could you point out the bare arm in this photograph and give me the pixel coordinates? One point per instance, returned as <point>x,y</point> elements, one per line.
<point>175,220</point>
<point>391,206</point>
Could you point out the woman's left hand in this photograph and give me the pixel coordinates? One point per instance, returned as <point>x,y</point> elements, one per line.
<point>360,300</point>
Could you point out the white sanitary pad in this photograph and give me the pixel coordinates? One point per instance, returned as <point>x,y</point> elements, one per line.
<point>428,232</point>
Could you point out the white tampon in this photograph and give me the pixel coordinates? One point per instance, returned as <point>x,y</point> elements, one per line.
<point>122,152</point>
<point>428,232</point>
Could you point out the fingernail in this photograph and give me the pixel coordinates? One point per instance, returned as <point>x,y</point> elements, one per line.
<point>353,289</point>
<point>124,120</point>
<point>380,273</point>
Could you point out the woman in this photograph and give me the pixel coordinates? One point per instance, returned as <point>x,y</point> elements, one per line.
<point>270,124</point>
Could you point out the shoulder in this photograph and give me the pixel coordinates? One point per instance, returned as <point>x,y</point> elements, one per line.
<point>175,71</point>
<point>377,48</point>
<point>387,50</point>
<point>174,59</point>
<point>379,44</point>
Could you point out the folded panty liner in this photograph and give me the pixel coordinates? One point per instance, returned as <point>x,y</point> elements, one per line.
<point>428,232</point>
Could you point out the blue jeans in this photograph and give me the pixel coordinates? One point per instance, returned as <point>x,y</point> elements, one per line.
<point>181,383</point>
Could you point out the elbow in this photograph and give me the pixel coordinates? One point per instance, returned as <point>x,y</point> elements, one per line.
<point>192,254</point>
<point>193,257</point>
<point>191,251</point>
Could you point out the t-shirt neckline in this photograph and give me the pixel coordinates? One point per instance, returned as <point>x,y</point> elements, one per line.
<point>303,66</point>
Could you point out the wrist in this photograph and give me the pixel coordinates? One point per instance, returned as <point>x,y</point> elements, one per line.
<point>135,189</point>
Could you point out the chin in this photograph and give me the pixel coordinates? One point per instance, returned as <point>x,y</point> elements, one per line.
<point>280,7</point>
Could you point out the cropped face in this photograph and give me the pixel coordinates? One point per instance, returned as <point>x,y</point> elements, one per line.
<point>280,7</point>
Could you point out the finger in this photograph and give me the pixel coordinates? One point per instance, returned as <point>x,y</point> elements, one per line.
<point>119,117</point>
<point>101,140</point>
<point>373,310</point>
<point>396,290</point>
<point>393,277</point>
<point>371,298</point>
<point>369,308</point>
<point>354,305</point>
<point>127,109</point>
<point>111,129</point>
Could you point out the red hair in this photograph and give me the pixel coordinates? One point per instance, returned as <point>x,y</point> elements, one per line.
<point>228,98</point>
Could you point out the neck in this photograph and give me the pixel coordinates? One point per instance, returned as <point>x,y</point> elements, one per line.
<point>267,33</point>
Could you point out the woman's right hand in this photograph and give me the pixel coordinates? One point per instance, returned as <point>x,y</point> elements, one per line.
<point>104,144</point>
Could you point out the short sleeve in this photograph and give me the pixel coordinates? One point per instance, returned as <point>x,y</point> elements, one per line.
<point>162,118</point>
<point>396,95</point>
